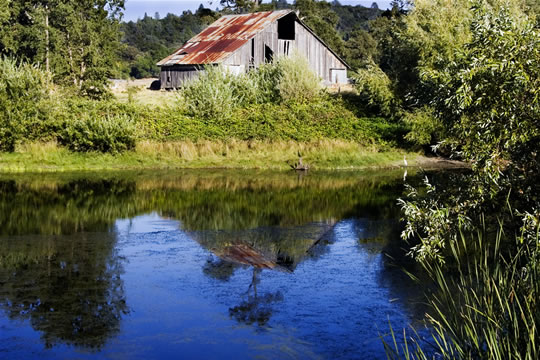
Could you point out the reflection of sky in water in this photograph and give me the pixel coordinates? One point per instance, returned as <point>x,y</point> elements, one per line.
<point>334,304</point>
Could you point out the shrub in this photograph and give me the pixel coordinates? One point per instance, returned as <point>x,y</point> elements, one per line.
<point>488,309</point>
<point>375,87</point>
<point>213,95</point>
<point>426,129</point>
<point>217,92</point>
<point>297,83</point>
<point>266,78</point>
<point>22,88</point>
<point>106,134</point>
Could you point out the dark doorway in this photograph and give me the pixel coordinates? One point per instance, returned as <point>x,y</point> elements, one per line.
<point>268,54</point>
<point>285,27</point>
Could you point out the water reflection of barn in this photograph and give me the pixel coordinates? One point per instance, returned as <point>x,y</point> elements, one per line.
<point>274,248</point>
<point>243,42</point>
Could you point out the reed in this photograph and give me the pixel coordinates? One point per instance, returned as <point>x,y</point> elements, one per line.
<point>488,310</point>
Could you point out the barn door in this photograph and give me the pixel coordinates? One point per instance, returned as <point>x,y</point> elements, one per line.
<point>338,76</point>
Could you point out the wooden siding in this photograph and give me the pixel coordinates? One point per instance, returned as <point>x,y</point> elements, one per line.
<point>319,57</point>
<point>172,77</point>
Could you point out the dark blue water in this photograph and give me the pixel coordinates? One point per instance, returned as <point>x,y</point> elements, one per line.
<point>303,275</point>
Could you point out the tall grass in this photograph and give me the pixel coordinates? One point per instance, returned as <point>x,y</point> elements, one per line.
<point>251,154</point>
<point>488,309</point>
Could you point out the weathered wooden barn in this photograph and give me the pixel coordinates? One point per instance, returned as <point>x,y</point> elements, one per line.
<point>243,42</point>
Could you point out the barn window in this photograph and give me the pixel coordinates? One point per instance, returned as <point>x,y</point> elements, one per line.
<point>252,57</point>
<point>268,54</point>
<point>285,27</point>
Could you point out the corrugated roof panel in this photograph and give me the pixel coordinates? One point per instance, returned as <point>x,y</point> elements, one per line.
<point>227,34</point>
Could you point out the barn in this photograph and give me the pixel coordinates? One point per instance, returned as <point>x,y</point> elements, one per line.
<point>243,42</point>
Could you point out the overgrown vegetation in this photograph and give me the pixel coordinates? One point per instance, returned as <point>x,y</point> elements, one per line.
<point>282,101</point>
<point>486,307</point>
<point>485,109</point>
<point>22,88</point>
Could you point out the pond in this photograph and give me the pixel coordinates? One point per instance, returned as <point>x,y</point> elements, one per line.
<point>202,264</point>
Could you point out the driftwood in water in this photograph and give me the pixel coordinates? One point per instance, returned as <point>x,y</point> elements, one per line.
<point>300,164</point>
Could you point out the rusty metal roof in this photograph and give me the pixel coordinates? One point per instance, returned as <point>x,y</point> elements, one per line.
<point>224,36</point>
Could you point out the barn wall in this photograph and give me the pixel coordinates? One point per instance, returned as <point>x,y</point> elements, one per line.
<point>172,77</point>
<point>319,57</point>
<point>321,60</point>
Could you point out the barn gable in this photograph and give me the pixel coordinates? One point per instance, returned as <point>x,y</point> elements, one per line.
<point>242,42</point>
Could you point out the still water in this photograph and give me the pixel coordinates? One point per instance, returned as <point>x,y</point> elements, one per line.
<point>202,265</point>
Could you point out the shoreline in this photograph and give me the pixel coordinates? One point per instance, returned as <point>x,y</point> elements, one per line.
<point>324,155</point>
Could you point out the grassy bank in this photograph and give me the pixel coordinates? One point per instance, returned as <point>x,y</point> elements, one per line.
<point>259,120</point>
<point>277,155</point>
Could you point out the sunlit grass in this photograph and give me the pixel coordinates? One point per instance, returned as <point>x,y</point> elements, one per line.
<point>277,155</point>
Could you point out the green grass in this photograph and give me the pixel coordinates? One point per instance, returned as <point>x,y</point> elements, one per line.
<point>322,155</point>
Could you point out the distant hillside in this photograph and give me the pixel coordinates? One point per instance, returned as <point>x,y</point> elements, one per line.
<point>354,17</point>
<point>150,39</point>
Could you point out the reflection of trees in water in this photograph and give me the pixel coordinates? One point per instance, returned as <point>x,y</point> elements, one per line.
<point>69,288</point>
<point>382,239</point>
<point>270,248</point>
<point>64,206</point>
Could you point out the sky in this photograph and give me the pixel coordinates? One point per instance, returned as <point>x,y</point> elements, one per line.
<point>136,8</point>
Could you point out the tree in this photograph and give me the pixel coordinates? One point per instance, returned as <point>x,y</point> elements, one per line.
<point>320,17</point>
<point>488,100</point>
<point>239,6</point>
<point>77,41</point>
<point>360,48</point>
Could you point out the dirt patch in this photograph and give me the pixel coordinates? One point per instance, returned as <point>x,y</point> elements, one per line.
<point>426,162</point>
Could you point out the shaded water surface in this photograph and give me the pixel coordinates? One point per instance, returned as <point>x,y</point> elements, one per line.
<point>201,264</point>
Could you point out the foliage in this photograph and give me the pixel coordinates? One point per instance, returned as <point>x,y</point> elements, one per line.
<point>76,41</point>
<point>353,18</point>
<point>361,49</point>
<point>297,83</point>
<point>426,129</point>
<point>320,17</point>
<point>106,134</point>
<point>374,87</point>
<point>22,88</point>
<point>396,55</point>
<point>216,93</point>
<point>488,102</point>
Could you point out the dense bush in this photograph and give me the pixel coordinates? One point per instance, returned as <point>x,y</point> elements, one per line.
<point>218,92</point>
<point>426,129</point>
<point>22,88</point>
<point>212,94</point>
<point>374,87</point>
<point>107,134</point>
<point>297,82</point>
